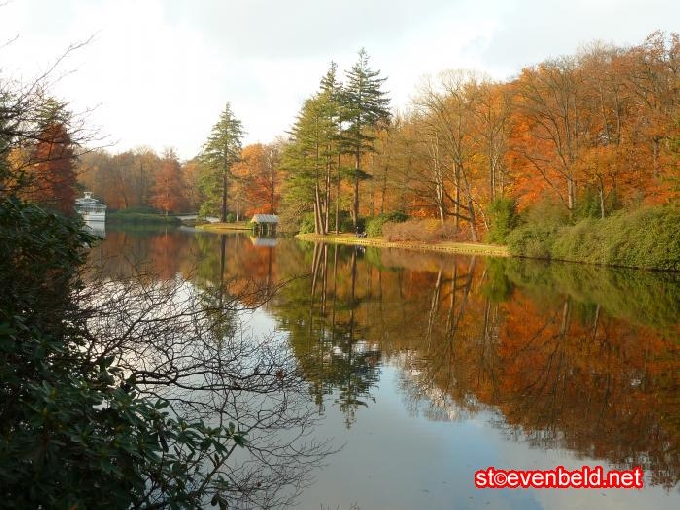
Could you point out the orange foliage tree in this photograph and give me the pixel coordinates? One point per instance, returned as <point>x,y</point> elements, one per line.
<point>167,193</point>
<point>52,177</point>
<point>257,176</point>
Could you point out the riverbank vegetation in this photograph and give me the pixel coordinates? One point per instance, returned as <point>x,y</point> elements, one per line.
<point>646,238</point>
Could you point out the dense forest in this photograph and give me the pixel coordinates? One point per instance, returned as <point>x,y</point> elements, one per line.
<point>589,133</point>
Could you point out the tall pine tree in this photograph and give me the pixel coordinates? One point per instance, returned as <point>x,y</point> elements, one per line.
<point>220,152</point>
<point>313,152</point>
<point>365,106</point>
<point>330,95</point>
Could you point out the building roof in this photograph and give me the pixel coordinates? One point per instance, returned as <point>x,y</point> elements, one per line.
<point>265,218</point>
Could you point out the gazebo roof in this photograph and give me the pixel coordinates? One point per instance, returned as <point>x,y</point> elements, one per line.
<point>265,218</point>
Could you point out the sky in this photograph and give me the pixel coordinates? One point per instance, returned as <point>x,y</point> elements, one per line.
<point>158,73</point>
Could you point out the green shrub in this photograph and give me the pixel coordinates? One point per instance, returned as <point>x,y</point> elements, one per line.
<point>538,227</point>
<point>231,217</point>
<point>588,205</point>
<point>374,225</point>
<point>503,216</point>
<point>307,224</point>
<point>532,240</point>
<point>646,238</point>
<point>347,225</point>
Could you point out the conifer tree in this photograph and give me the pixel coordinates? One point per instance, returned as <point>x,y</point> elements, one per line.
<point>314,150</point>
<point>331,97</point>
<point>365,106</point>
<point>220,152</point>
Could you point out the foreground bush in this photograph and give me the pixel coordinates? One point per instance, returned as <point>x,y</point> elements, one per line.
<point>74,432</point>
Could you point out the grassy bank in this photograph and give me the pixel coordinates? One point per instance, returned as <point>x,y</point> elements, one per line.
<point>443,246</point>
<point>646,238</point>
<point>220,227</point>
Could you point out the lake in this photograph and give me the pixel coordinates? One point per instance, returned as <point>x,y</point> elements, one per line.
<point>424,368</point>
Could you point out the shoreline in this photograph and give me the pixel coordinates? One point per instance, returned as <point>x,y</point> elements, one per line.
<point>379,242</point>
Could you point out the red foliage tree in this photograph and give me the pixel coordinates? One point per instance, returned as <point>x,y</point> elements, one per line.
<point>167,192</point>
<point>52,176</point>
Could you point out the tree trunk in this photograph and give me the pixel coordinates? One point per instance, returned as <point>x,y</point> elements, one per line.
<point>456,206</point>
<point>355,201</point>
<point>337,201</point>
<point>601,193</point>
<point>327,218</point>
<point>318,213</point>
<point>225,181</point>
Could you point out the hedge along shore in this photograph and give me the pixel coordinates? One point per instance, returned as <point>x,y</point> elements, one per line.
<point>450,247</point>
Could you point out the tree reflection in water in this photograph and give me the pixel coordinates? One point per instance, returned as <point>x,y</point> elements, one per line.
<point>182,337</point>
<point>573,357</point>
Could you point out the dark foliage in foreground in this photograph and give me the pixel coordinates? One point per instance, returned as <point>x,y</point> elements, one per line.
<point>126,394</point>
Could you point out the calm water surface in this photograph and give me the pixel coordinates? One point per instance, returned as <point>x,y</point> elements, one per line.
<point>428,367</point>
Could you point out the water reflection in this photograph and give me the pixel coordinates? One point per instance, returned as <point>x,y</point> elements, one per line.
<point>585,359</point>
<point>177,330</point>
<point>563,356</point>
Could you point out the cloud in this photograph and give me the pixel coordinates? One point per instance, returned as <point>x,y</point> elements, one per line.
<point>274,29</point>
<point>162,70</point>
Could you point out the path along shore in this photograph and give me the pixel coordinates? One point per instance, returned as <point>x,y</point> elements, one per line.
<point>451,247</point>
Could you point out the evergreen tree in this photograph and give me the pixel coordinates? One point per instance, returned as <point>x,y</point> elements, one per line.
<point>220,152</point>
<point>313,152</point>
<point>331,98</point>
<point>302,160</point>
<point>365,106</point>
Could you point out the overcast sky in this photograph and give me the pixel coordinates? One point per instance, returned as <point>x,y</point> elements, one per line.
<point>159,72</point>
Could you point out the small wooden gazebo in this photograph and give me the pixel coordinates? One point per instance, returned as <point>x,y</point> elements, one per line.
<point>265,224</point>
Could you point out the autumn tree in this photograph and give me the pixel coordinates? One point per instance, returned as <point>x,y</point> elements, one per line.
<point>549,124</point>
<point>220,152</point>
<point>492,110</point>
<point>191,171</point>
<point>37,151</point>
<point>654,81</point>
<point>365,108</point>
<point>257,179</point>
<point>447,109</point>
<point>167,193</point>
<point>121,180</point>
<point>52,175</point>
